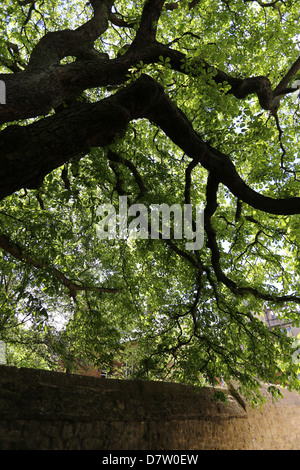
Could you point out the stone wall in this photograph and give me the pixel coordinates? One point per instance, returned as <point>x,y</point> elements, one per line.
<point>48,410</point>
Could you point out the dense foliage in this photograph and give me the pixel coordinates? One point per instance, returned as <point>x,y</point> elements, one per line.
<point>165,103</point>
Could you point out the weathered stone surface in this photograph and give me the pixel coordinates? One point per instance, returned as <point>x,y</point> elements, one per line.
<point>48,410</point>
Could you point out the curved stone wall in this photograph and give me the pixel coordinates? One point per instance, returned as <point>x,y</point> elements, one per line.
<point>47,410</point>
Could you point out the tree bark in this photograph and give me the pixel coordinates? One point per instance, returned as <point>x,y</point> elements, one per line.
<point>29,153</point>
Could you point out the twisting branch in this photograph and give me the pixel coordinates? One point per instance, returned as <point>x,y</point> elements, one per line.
<point>17,252</point>
<point>88,125</point>
<point>188,181</point>
<point>148,24</point>
<point>114,157</point>
<point>175,124</point>
<point>46,86</point>
<point>54,46</point>
<point>211,207</point>
<point>280,88</point>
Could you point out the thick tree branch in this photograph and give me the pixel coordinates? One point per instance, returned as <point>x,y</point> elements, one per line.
<point>148,25</point>
<point>54,46</point>
<point>37,90</point>
<point>29,153</point>
<point>51,142</point>
<point>45,83</point>
<point>176,126</point>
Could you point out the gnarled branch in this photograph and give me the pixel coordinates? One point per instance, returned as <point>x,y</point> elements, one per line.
<point>96,124</point>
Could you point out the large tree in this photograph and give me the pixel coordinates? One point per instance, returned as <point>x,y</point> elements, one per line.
<point>185,102</point>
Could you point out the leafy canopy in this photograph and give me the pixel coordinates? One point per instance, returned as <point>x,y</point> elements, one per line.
<point>165,103</point>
